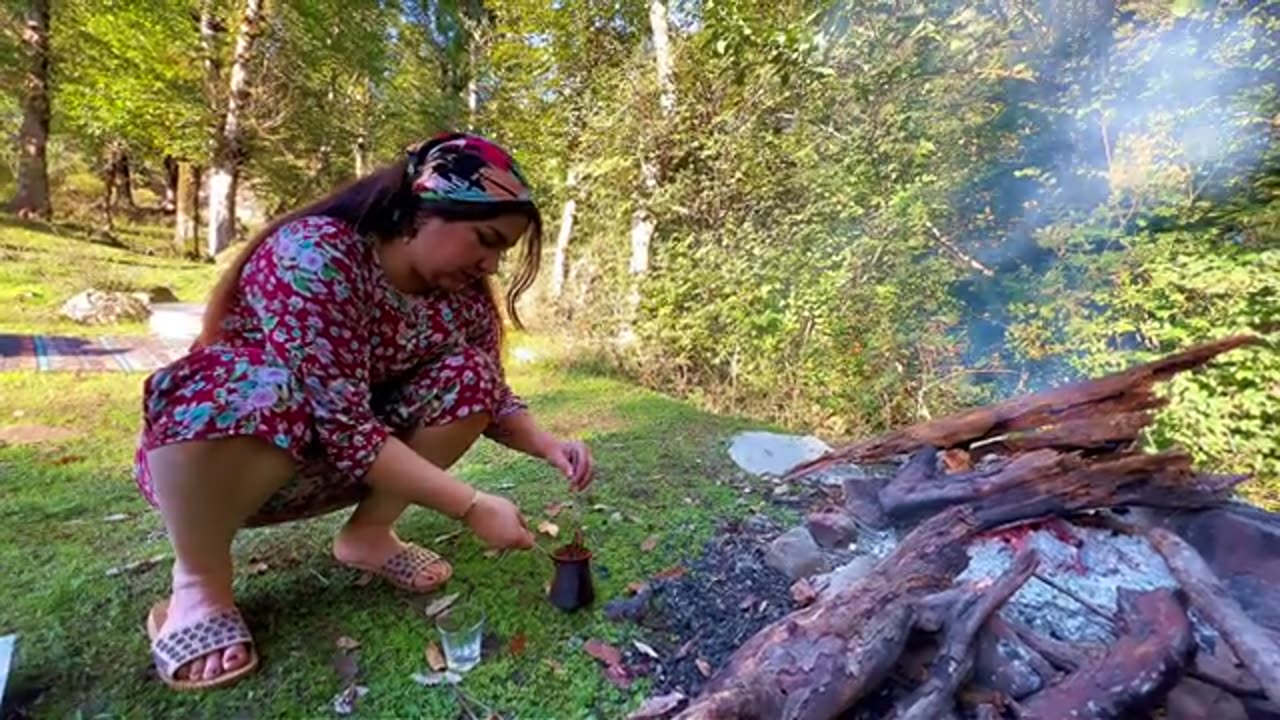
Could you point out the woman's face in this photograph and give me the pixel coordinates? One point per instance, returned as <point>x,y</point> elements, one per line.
<point>452,254</point>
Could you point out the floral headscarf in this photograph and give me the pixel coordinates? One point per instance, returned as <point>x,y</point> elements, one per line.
<point>467,168</point>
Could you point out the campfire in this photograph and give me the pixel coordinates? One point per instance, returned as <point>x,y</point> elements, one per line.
<point>1034,562</point>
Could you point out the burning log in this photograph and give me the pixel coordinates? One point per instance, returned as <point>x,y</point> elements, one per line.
<point>1253,645</point>
<point>956,658</point>
<point>1047,482</point>
<point>1137,670</point>
<point>817,662</point>
<point>1126,392</point>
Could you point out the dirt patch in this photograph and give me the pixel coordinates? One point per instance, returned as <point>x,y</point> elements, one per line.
<point>33,434</point>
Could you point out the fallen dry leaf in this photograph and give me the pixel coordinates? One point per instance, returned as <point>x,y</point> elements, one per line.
<point>617,675</point>
<point>546,527</point>
<point>602,651</point>
<point>435,658</point>
<point>649,543</point>
<point>956,460</point>
<point>637,587</point>
<point>670,573</point>
<point>803,593</point>
<point>116,517</point>
<point>364,579</point>
<point>642,647</point>
<point>554,664</point>
<point>657,708</point>
<point>492,553</point>
<point>347,643</point>
<point>136,566</point>
<point>446,537</point>
<point>68,459</point>
<point>517,644</point>
<point>439,605</point>
<point>258,567</point>
<point>704,667</point>
<point>553,509</point>
<point>686,648</point>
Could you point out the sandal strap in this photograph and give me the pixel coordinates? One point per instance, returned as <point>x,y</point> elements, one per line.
<point>406,565</point>
<point>180,646</point>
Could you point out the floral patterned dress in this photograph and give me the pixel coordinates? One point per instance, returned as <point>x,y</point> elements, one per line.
<point>323,358</point>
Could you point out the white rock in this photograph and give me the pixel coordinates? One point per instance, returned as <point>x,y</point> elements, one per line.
<point>100,307</point>
<point>766,453</point>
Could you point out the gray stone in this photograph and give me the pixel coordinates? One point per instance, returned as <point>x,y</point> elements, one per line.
<point>843,577</point>
<point>832,529</point>
<point>795,554</point>
<point>766,453</point>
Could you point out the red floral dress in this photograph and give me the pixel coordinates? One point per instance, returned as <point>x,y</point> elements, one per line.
<point>324,359</point>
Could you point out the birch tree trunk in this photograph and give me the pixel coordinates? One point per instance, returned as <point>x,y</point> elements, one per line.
<point>643,224</point>
<point>224,169</point>
<point>187,212</point>
<point>32,196</point>
<point>559,268</point>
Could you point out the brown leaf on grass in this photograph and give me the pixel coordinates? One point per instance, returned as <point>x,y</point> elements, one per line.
<point>637,587</point>
<point>617,675</point>
<point>657,708</point>
<point>347,643</point>
<point>492,553</point>
<point>68,459</point>
<point>439,605</point>
<point>602,651</point>
<point>364,579</point>
<point>554,664</point>
<point>649,543</point>
<point>435,658</point>
<point>257,567</point>
<point>553,509</point>
<point>546,527</point>
<point>803,593</point>
<point>670,573</point>
<point>704,667</point>
<point>517,644</point>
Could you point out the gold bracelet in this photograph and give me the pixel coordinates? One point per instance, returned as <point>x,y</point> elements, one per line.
<point>475,498</point>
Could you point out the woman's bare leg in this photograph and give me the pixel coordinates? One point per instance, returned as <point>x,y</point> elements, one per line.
<point>206,490</point>
<point>369,537</point>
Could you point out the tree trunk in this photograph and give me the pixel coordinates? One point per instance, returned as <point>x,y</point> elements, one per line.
<point>32,197</point>
<point>119,179</point>
<point>559,268</point>
<point>360,154</point>
<point>643,223</point>
<point>475,20</point>
<point>170,202</point>
<point>224,170</point>
<point>187,216</point>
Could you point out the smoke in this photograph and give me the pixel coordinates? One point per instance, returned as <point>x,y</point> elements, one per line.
<point>1136,119</point>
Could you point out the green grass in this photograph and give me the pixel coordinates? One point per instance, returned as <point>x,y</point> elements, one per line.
<point>82,647</point>
<point>40,269</point>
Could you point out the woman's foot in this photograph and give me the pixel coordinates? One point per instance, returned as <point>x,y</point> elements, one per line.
<point>191,602</point>
<point>375,548</point>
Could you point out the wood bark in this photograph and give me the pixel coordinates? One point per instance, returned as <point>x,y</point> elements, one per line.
<point>32,196</point>
<point>225,167</point>
<point>169,201</point>
<point>1255,647</point>
<point>1126,392</point>
<point>1137,670</point>
<point>817,662</point>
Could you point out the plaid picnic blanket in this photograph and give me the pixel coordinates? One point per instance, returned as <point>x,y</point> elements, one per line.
<point>140,353</point>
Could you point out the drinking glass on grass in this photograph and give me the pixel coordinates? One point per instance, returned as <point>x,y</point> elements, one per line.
<point>461,630</point>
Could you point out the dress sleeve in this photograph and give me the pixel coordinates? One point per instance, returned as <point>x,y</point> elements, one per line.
<point>310,289</point>
<point>484,332</point>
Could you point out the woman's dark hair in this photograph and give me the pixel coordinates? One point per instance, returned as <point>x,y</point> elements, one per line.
<point>382,204</point>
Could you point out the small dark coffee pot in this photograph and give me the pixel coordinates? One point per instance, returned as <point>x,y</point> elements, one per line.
<point>571,588</point>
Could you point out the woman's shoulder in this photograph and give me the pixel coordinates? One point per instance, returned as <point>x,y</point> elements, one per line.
<point>316,228</point>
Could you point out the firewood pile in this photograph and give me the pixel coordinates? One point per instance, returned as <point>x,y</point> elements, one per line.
<point>922,637</point>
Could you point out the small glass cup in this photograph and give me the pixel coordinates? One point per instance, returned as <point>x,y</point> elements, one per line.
<point>461,630</point>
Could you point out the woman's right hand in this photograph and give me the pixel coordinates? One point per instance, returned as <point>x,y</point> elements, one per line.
<point>498,522</point>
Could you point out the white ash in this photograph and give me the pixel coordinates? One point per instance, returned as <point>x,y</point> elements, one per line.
<point>876,543</point>
<point>1105,563</point>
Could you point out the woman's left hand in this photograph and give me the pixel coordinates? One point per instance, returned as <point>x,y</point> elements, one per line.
<point>573,459</point>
